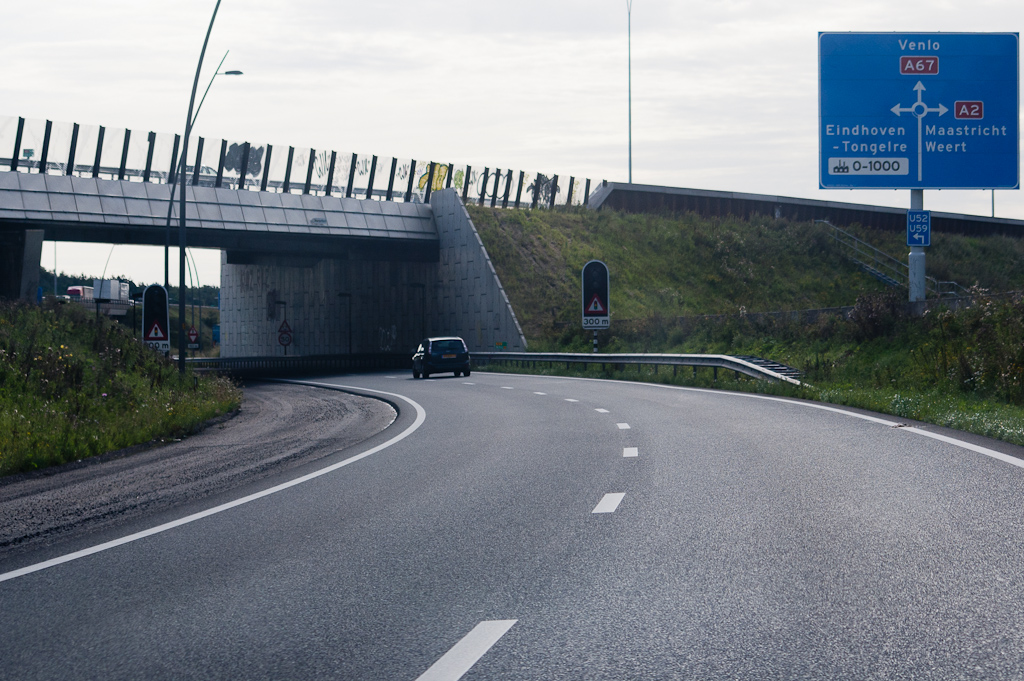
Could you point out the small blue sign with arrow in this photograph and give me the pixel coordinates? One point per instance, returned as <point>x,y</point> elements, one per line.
<point>919,228</point>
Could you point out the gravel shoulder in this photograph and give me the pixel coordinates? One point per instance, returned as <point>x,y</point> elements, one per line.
<point>278,427</point>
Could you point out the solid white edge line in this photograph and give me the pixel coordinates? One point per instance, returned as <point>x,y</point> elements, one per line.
<point>421,416</point>
<point>463,655</point>
<point>609,502</point>
<point>630,451</point>
<point>811,405</point>
<point>1013,461</point>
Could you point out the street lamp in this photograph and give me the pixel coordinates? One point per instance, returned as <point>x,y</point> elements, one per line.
<point>629,69</point>
<point>181,229</point>
<point>181,169</point>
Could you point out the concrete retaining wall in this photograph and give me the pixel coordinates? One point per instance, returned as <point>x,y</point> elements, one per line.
<point>336,306</point>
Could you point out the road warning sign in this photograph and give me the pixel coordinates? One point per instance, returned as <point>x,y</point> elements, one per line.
<point>156,323</point>
<point>156,333</point>
<point>595,287</point>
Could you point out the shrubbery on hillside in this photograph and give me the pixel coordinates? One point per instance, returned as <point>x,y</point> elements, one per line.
<point>73,386</point>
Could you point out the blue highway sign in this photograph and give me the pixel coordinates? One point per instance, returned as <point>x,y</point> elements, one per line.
<point>919,228</point>
<point>918,111</point>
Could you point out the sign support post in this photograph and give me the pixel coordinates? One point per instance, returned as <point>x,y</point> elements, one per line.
<point>595,286</point>
<point>916,258</point>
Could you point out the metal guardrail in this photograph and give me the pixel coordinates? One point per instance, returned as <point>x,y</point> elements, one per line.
<point>257,367</point>
<point>716,362</point>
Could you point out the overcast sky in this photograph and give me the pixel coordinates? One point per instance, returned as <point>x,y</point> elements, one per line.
<point>724,92</point>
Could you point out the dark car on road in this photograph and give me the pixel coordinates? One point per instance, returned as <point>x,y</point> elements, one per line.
<point>437,355</point>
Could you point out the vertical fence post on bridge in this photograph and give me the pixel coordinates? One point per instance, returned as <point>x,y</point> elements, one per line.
<point>330,173</point>
<point>568,200</point>
<point>287,186</point>
<point>586,193</point>
<point>149,157</point>
<point>309,171</point>
<point>391,180</point>
<point>46,147</point>
<point>124,154</point>
<point>554,191</point>
<point>99,152</point>
<point>198,167</point>
<point>448,179</point>
<point>220,166</point>
<point>465,183</point>
<point>243,169</point>
<point>172,173</point>
<point>351,177</point>
<point>494,191</point>
<point>508,188</point>
<point>17,143</point>
<point>369,182</point>
<point>536,191</point>
<point>71,158</point>
<point>519,191</point>
<point>412,176</point>
<point>430,182</point>
<point>483,186</point>
<point>266,168</point>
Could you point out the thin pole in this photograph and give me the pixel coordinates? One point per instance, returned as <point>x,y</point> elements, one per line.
<point>181,169</point>
<point>629,69</point>
<point>181,229</point>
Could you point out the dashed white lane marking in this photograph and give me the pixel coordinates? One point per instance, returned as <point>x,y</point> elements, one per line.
<point>569,399</point>
<point>630,451</point>
<point>609,502</point>
<point>536,393</point>
<point>601,411</point>
<point>421,416</point>
<point>464,383</point>
<point>623,426</point>
<point>507,387</point>
<point>464,654</point>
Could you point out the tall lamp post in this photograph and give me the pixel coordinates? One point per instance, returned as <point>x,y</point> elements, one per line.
<point>181,230</point>
<point>181,169</point>
<point>629,69</point>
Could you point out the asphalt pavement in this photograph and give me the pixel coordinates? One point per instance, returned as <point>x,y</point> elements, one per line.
<point>520,527</point>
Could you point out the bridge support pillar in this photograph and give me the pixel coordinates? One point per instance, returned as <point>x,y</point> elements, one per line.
<point>20,253</point>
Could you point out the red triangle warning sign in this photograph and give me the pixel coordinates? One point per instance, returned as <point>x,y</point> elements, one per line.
<point>156,333</point>
<point>596,306</point>
<point>284,328</point>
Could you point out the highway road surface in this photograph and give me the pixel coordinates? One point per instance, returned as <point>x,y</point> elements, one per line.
<point>520,527</point>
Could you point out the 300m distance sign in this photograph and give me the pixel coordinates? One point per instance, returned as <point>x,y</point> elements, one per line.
<point>595,287</point>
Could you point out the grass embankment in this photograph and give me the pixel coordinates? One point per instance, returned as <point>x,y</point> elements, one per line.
<point>72,386</point>
<point>963,369</point>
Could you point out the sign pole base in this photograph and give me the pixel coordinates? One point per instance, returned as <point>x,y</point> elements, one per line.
<point>916,258</point>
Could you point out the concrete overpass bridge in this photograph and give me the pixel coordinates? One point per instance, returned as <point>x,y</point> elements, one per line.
<point>350,275</point>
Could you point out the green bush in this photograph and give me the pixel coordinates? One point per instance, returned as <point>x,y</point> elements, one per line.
<point>73,386</point>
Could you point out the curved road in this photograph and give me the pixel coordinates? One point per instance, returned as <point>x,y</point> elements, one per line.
<point>518,527</point>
